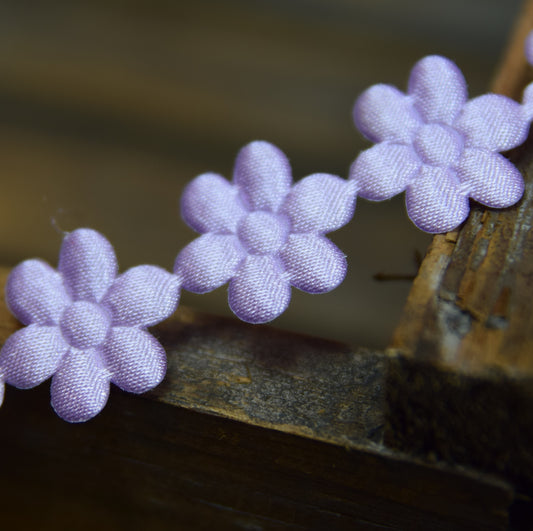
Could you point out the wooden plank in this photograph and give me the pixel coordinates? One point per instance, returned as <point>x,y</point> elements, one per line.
<point>461,386</point>
<point>271,378</point>
<point>252,428</point>
<point>142,463</point>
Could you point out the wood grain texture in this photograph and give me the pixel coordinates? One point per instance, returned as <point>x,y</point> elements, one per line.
<point>461,386</point>
<point>468,308</point>
<point>275,379</point>
<point>144,464</point>
<point>253,428</point>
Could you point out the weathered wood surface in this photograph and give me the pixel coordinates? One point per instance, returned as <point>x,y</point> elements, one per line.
<point>142,464</point>
<point>306,454</point>
<point>469,307</point>
<point>274,379</point>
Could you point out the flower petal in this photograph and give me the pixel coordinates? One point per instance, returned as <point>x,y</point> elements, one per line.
<point>435,201</point>
<point>263,173</point>
<point>260,292</point>
<point>142,296</point>
<point>528,47</point>
<point>88,263</point>
<point>35,293</point>
<point>315,264</point>
<point>490,178</point>
<point>212,204</point>
<point>527,103</point>
<point>493,122</point>
<point>31,355</point>
<point>384,170</point>
<point>208,262</point>
<point>439,89</point>
<point>320,203</point>
<point>80,387</point>
<point>2,389</point>
<point>136,360</point>
<point>383,113</point>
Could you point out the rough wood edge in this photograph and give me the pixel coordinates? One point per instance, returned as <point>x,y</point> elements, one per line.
<point>512,75</point>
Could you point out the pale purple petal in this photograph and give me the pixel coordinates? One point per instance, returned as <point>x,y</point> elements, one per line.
<point>384,170</point>
<point>438,88</point>
<point>136,360</point>
<point>142,296</point>
<point>314,263</point>
<point>80,387</point>
<point>212,204</point>
<point>435,200</point>
<point>88,263</point>
<point>490,178</point>
<point>261,291</point>
<point>208,262</point>
<point>35,293</point>
<point>2,390</point>
<point>492,122</point>
<point>527,103</point>
<point>383,113</point>
<point>528,47</point>
<point>263,174</point>
<point>31,355</point>
<point>320,203</point>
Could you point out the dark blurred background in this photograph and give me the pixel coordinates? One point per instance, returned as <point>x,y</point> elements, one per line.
<point>108,108</point>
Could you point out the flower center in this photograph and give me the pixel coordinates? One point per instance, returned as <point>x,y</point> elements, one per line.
<point>438,145</point>
<point>85,324</point>
<point>262,232</point>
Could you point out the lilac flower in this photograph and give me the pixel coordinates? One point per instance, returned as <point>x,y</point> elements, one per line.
<point>437,146</point>
<point>262,234</point>
<point>86,326</point>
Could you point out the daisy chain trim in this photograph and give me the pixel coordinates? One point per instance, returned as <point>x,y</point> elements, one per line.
<point>86,327</point>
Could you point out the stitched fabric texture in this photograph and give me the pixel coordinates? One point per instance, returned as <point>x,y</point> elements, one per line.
<point>86,326</point>
<point>262,234</point>
<point>438,147</point>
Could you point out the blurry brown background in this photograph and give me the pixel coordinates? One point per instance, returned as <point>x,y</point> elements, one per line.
<point>108,108</point>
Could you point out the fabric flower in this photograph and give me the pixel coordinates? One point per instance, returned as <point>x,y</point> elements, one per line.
<point>438,147</point>
<point>262,234</point>
<point>86,327</point>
